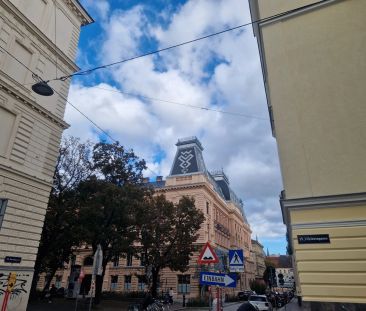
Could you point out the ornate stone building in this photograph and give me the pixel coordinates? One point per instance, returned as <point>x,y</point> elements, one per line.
<point>37,37</point>
<point>225,227</point>
<point>259,259</point>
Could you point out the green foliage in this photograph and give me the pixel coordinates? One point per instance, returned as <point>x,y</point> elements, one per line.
<point>167,233</point>
<point>61,226</point>
<point>197,302</point>
<point>107,202</point>
<point>258,286</point>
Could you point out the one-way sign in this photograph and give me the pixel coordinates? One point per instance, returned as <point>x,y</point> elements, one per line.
<point>220,279</point>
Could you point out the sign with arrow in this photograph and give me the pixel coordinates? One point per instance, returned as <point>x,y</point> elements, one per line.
<point>207,255</point>
<point>220,279</point>
<point>236,260</point>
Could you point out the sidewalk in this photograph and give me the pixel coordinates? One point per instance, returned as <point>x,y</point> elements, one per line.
<point>291,306</point>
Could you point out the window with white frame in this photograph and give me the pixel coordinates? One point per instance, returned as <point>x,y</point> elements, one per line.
<point>184,283</point>
<point>128,282</point>
<point>3,204</point>
<point>114,282</point>
<point>141,282</point>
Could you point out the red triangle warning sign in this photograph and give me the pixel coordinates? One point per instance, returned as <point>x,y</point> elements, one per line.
<point>207,255</point>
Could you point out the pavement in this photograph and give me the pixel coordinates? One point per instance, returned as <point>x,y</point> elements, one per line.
<point>112,305</point>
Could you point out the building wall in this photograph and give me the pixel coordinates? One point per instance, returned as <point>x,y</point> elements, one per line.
<point>219,211</point>
<point>334,271</point>
<point>260,266</point>
<point>315,71</point>
<point>30,125</point>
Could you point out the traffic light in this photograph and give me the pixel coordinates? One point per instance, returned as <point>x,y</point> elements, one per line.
<point>11,281</point>
<point>281,281</point>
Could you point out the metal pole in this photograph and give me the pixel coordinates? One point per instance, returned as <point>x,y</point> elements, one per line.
<point>76,302</point>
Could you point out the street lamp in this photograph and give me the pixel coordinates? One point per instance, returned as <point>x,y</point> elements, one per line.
<point>42,88</point>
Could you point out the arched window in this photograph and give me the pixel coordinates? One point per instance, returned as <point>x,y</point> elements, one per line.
<point>88,261</point>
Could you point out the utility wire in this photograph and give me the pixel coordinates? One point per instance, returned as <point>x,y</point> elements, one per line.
<point>35,76</point>
<point>269,18</point>
<point>84,115</point>
<point>181,104</point>
<point>95,124</point>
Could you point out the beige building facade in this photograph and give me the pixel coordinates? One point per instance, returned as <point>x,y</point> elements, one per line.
<point>314,66</point>
<point>30,125</point>
<point>225,227</point>
<point>259,256</point>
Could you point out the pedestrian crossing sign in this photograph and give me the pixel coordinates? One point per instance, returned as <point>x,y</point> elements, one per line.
<point>236,260</point>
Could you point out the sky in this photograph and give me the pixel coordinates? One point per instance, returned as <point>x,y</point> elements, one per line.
<point>147,104</point>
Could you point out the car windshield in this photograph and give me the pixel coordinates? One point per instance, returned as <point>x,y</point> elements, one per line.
<point>258,298</point>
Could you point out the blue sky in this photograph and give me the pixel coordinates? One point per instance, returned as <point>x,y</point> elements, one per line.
<point>221,72</point>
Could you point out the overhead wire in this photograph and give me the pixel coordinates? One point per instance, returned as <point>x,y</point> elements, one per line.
<point>238,114</point>
<point>265,19</point>
<point>95,124</point>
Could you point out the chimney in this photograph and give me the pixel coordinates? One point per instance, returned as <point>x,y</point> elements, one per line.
<point>159,178</point>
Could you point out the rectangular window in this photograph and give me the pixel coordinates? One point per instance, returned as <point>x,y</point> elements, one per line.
<point>207,208</point>
<point>184,283</point>
<point>3,204</point>
<point>116,261</point>
<point>142,260</point>
<point>58,281</point>
<point>129,260</point>
<point>128,282</point>
<point>114,282</point>
<point>141,282</point>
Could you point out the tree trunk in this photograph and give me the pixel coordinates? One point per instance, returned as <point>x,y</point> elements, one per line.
<point>50,277</point>
<point>155,279</point>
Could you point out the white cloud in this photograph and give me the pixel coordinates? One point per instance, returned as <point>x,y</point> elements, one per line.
<point>243,146</point>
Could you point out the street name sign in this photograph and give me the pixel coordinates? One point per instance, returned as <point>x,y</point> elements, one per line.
<point>219,279</point>
<point>207,255</point>
<point>236,260</point>
<point>313,239</point>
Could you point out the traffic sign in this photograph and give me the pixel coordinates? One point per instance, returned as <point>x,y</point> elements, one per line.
<point>220,279</point>
<point>236,260</point>
<point>207,255</point>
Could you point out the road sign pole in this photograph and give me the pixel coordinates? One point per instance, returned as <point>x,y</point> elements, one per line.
<point>217,298</point>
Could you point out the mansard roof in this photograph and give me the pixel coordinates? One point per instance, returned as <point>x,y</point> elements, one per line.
<point>189,160</point>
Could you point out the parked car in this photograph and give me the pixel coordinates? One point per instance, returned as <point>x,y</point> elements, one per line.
<point>244,295</point>
<point>261,302</point>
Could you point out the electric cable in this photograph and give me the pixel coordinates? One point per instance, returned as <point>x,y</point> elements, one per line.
<point>238,114</point>
<point>95,124</point>
<point>265,19</point>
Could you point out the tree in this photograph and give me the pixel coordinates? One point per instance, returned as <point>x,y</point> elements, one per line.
<point>167,232</point>
<point>108,201</point>
<point>60,232</point>
<point>269,275</point>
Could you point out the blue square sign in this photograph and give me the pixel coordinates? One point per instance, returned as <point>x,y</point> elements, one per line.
<point>236,260</point>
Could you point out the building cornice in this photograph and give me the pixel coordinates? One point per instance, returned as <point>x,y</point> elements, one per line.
<point>79,10</point>
<point>4,86</point>
<point>32,29</point>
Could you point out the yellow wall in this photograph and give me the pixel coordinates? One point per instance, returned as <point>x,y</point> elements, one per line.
<point>337,271</point>
<point>316,68</point>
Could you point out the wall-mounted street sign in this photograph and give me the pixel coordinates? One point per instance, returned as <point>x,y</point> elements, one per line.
<point>236,260</point>
<point>313,239</point>
<point>219,279</point>
<point>12,259</point>
<point>207,255</point>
